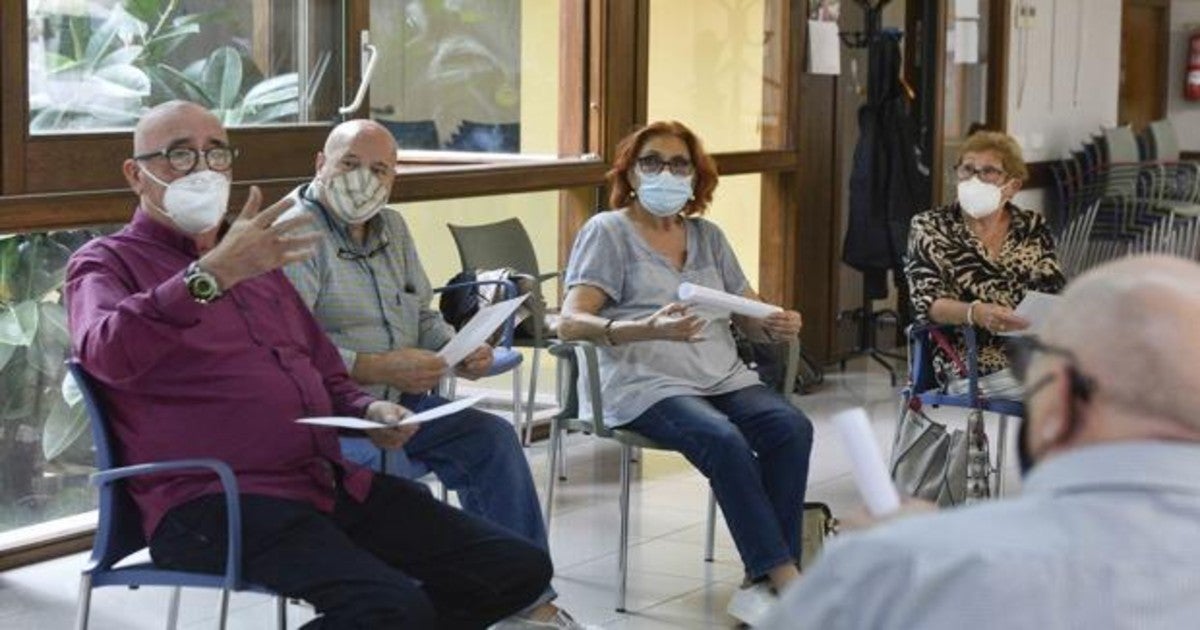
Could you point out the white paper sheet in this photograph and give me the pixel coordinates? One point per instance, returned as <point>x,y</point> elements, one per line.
<point>1035,308</point>
<point>477,331</point>
<point>824,48</point>
<point>705,296</point>
<point>870,473</point>
<point>966,9</point>
<point>432,413</point>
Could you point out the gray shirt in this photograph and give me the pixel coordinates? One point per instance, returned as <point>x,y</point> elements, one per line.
<point>369,298</point>
<point>611,256</point>
<point>1104,536</point>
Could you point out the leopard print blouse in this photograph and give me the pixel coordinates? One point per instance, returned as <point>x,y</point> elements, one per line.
<point>946,260</point>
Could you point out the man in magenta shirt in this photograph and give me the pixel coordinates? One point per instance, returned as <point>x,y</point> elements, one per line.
<point>203,349</point>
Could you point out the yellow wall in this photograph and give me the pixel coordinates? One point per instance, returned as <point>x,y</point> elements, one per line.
<point>706,71</point>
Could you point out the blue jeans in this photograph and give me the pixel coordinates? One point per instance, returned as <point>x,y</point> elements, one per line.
<point>474,453</point>
<point>754,448</point>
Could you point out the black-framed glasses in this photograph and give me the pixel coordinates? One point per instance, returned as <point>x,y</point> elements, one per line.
<point>987,174</point>
<point>185,159</point>
<point>1020,351</point>
<point>653,165</point>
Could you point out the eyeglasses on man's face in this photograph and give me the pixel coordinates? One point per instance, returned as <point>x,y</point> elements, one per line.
<point>185,159</point>
<point>986,174</point>
<point>1020,352</point>
<point>652,164</point>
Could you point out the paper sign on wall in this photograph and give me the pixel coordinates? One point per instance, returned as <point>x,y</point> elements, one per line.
<point>824,48</point>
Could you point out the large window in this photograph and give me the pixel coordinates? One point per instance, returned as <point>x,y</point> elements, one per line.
<point>99,64</point>
<point>45,449</point>
<point>468,75</point>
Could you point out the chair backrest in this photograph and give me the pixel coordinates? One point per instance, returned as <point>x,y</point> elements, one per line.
<point>1164,141</point>
<point>495,246</point>
<point>119,530</point>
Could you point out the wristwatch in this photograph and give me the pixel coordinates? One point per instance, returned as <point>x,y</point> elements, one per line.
<point>201,284</point>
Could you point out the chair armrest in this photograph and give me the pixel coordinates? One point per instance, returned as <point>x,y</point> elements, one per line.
<point>229,486</point>
<point>585,354</point>
<point>542,277</point>
<point>508,290</point>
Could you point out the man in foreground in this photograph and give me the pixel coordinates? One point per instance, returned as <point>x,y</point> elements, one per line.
<point>1105,533</point>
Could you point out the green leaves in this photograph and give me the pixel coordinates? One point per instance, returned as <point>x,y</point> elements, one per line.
<point>104,73</point>
<point>18,325</point>
<point>64,424</point>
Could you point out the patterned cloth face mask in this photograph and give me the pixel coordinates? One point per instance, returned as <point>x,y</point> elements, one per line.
<point>354,196</point>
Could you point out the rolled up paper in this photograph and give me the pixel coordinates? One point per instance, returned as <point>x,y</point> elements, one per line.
<point>870,473</point>
<point>705,296</point>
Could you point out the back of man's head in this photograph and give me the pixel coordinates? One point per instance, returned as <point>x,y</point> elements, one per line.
<point>1132,326</point>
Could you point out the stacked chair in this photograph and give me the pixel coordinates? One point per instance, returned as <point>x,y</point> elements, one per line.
<point>1120,195</point>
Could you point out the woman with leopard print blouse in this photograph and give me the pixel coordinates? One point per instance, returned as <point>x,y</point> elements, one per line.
<point>971,262</point>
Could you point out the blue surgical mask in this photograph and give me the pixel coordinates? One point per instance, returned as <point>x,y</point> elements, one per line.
<point>664,194</point>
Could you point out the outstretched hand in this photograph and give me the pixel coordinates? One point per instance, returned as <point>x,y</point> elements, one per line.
<point>674,322</point>
<point>254,246</point>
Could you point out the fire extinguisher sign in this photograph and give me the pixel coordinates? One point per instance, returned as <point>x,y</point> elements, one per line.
<point>1191,88</point>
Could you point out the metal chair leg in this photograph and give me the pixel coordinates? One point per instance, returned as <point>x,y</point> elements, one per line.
<point>1001,456</point>
<point>516,402</point>
<point>223,609</point>
<point>280,612</point>
<point>710,533</point>
<point>562,459</point>
<point>533,377</point>
<point>555,438</point>
<point>173,609</point>
<point>85,602</point>
<point>623,550</point>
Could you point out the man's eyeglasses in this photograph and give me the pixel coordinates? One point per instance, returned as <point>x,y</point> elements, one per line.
<point>185,159</point>
<point>653,165</point>
<point>1020,351</point>
<point>987,174</point>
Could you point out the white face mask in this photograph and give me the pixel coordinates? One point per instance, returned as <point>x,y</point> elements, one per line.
<point>354,196</point>
<point>195,202</point>
<point>664,194</point>
<point>979,199</point>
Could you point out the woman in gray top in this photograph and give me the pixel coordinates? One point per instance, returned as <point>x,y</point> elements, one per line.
<point>671,371</point>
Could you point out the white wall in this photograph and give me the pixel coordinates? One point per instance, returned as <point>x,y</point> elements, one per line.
<point>1048,112</point>
<point>1185,19</point>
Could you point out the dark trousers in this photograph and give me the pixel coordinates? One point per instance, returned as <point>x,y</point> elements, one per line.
<point>401,559</point>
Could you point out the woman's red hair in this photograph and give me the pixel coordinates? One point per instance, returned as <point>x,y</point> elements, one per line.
<point>630,147</point>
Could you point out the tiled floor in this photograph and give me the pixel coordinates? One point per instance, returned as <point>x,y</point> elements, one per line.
<point>670,586</point>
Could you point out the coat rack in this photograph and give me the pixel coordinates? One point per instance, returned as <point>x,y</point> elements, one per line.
<point>872,24</point>
<point>866,317</point>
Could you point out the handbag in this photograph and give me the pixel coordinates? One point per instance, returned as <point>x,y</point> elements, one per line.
<point>817,524</point>
<point>928,461</point>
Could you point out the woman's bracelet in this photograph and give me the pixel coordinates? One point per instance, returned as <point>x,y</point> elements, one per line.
<point>971,312</point>
<point>608,327</point>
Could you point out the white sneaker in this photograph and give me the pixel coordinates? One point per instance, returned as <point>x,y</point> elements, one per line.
<point>752,603</point>
<point>560,621</point>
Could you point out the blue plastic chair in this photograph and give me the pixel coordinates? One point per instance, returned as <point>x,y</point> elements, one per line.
<point>924,389</point>
<point>119,529</point>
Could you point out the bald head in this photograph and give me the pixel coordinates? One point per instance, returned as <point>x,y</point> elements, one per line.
<point>1132,326</point>
<point>360,131</point>
<point>174,121</point>
<point>358,144</point>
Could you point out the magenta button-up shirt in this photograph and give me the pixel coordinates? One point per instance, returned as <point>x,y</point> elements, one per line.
<point>226,380</point>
